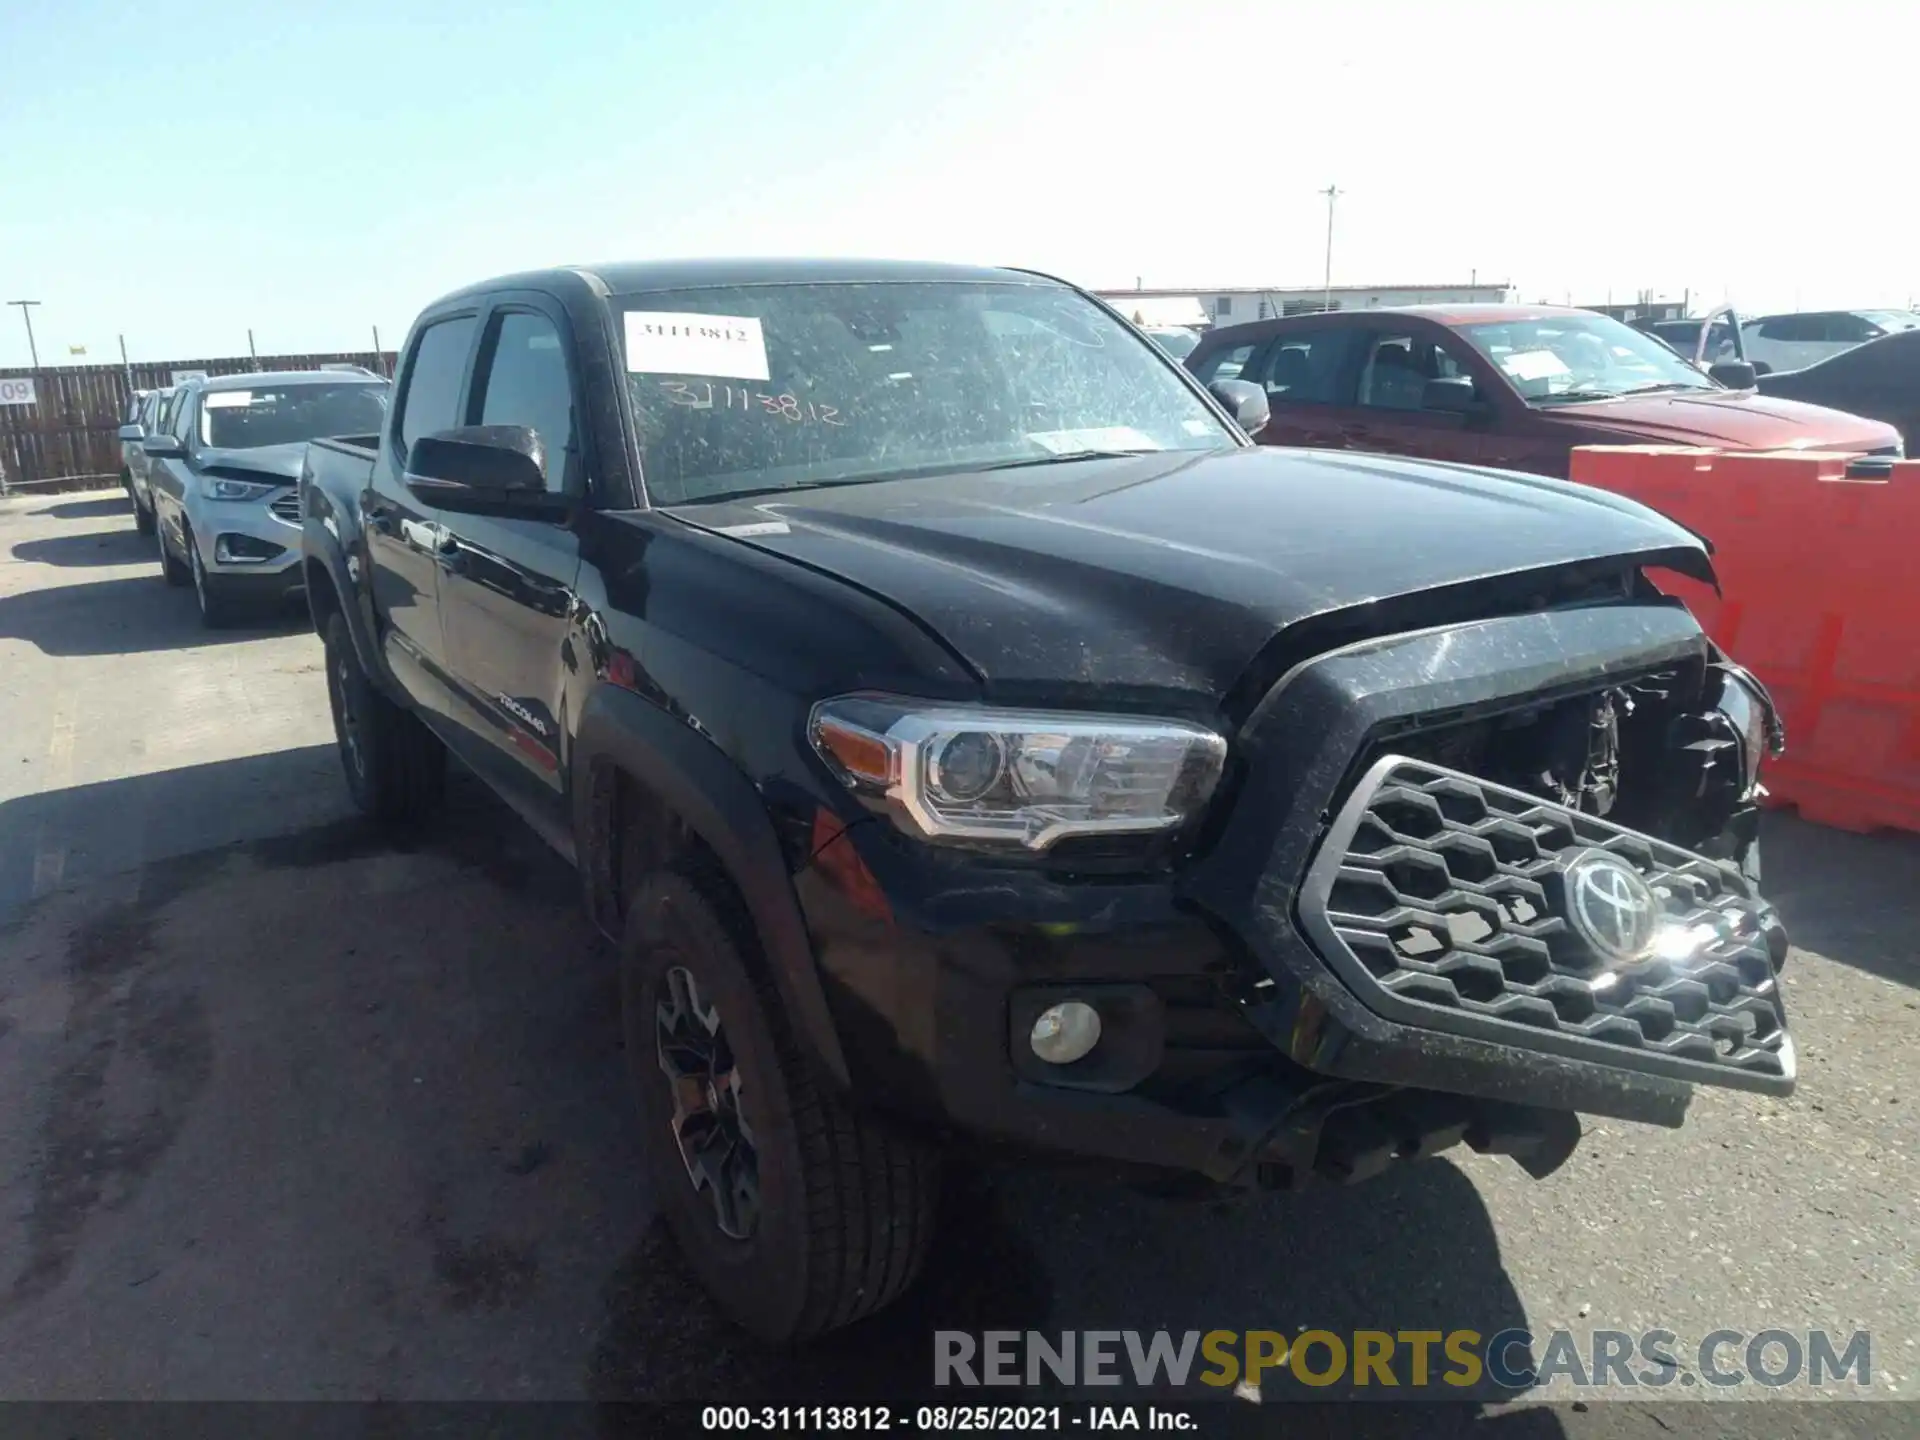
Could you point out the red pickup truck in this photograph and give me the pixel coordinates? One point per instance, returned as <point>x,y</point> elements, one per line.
<point>1511,386</point>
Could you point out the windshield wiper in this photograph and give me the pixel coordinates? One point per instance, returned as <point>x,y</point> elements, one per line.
<point>1582,395</point>
<point>798,485</point>
<point>1659,385</point>
<point>1063,456</point>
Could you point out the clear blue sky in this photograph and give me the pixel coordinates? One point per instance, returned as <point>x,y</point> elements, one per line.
<point>181,173</point>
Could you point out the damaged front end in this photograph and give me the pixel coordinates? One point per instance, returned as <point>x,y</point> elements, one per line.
<point>1508,874</point>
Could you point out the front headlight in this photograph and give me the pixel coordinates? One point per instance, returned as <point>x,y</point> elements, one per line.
<point>1745,703</point>
<point>1015,778</point>
<point>219,489</point>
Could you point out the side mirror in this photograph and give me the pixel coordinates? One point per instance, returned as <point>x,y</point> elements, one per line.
<point>162,447</point>
<point>1245,401</point>
<point>1450,395</point>
<point>483,470</point>
<point>132,433</point>
<point>1734,374</point>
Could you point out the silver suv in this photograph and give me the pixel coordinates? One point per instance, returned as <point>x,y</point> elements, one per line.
<point>146,414</point>
<point>221,479</point>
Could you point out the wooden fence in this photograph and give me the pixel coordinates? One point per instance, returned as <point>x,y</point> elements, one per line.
<point>69,436</point>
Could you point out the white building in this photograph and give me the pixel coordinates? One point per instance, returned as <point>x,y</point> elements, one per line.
<point>1235,304</point>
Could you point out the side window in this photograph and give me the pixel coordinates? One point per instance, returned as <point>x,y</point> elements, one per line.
<point>1304,367</point>
<point>1791,329</point>
<point>522,380</point>
<point>1398,368</point>
<point>1852,329</point>
<point>181,427</point>
<point>430,396</point>
<point>1225,363</point>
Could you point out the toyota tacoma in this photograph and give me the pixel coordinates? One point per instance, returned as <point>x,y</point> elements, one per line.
<point>969,737</point>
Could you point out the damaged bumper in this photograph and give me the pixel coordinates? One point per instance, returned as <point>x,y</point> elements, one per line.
<point>1373,955</point>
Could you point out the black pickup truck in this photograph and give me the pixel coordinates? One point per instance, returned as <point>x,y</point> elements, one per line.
<point>970,738</point>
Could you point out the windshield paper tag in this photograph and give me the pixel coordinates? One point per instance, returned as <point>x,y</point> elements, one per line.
<point>228,399</point>
<point>1108,437</point>
<point>664,342</point>
<point>1533,365</point>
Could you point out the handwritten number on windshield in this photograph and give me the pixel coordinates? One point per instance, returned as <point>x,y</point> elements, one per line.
<point>705,395</point>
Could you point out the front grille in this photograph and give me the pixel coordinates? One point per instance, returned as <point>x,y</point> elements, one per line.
<point>287,506</point>
<point>1442,900</point>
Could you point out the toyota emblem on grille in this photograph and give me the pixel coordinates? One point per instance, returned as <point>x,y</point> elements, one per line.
<point>1610,906</point>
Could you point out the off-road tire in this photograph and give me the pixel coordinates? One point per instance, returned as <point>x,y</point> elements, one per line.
<point>396,768</point>
<point>846,1200</point>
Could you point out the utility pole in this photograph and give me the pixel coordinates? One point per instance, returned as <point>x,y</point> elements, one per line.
<point>379,362</point>
<point>1332,192</point>
<point>253,353</point>
<point>126,366</point>
<point>26,314</point>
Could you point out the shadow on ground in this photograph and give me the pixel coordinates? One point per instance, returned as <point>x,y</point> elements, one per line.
<point>115,503</point>
<point>126,615</point>
<point>93,547</point>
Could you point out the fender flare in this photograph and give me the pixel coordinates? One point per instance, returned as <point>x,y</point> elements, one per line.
<point>713,796</point>
<point>323,548</point>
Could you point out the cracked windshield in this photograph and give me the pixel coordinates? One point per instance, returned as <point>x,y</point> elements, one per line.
<point>786,387</point>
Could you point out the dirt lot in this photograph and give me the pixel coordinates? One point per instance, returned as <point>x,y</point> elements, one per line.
<point>292,1113</point>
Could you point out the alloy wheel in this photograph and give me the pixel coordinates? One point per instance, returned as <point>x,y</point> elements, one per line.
<point>709,1127</point>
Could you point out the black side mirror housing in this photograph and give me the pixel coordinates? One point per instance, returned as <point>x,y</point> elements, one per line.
<point>1245,401</point>
<point>1734,374</point>
<point>483,470</point>
<point>1450,395</point>
<point>162,447</point>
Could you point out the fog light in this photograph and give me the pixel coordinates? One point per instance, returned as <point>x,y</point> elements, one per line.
<point>1065,1032</point>
<point>245,549</point>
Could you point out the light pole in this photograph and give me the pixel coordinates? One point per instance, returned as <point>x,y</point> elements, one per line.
<point>1332,192</point>
<point>26,314</point>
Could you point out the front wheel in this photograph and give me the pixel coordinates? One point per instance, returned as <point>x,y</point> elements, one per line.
<point>396,767</point>
<point>171,570</point>
<point>142,516</point>
<point>798,1213</point>
<point>217,607</point>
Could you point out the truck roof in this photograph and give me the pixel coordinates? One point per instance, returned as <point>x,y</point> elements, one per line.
<point>638,276</point>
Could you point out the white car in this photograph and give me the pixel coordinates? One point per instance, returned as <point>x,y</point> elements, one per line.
<point>1793,342</point>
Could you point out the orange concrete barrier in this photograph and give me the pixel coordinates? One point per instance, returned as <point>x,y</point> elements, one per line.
<point>1820,581</point>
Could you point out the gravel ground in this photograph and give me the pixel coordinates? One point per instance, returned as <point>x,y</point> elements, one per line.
<point>292,1113</point>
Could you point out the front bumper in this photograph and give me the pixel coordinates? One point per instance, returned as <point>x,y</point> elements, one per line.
<point>232,533</point>
<point>1248,1031</point>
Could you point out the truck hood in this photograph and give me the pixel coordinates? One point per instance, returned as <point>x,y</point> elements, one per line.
<point>1735,419</point>
<point>1170,572</point>
<point>266,462</point>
